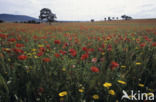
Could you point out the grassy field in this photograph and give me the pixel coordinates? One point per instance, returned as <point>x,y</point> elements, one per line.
<point>77,62</point>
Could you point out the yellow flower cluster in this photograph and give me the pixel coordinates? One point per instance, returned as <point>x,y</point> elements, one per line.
<point>95,97</point>
<point>81,90</point>
<point>138,63</point>
<point>40,45</point>
<point>121,82</point>
<point>123,66</point>
<point>111,92</point>
<point>63,93</point>
<point>107,85</point>
<point>141,85</point>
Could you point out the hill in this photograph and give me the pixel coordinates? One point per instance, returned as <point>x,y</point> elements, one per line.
<point>13,18</point>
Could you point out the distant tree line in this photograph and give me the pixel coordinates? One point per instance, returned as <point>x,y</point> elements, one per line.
<point>1,21</point>
<point>124,17</point>
<point>30,22</point>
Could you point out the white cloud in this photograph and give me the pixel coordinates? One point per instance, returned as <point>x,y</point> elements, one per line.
<point>81,9</point>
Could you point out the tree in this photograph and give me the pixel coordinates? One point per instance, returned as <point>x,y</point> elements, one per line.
<point>113,18</point>
<point>105,18</point>
<point>1,21</point>
<point>92,20</point>
<point>109,18</point>
<point>47,15</point>
<point>125,17</point>
<point>117,18</point>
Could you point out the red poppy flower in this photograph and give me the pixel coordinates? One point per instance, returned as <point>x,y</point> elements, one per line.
<point>84,56</point>
<point>48,46</point>
<point>42,49</point>
<point>57,55</point>
<point>46,59</point>
<point>142,45</point>
<point>40,53</point>
<point>154,44</point>
<point>90,50</point>
<point>85,49</point>
<point>66,44</point>
<point>95,69</point>
<point>57,41</point>
<point>41,90</point>
<point>22,57</point>
<point>3,36</point>
<point>103,45</point>
<point>18,51</point>
<point>12,40</point>
<point>73,52</point>
<point>19,45</point>
<point>62,52</point>
<point>114,65</point>
<point>109,48</point>
<point>100,49</point>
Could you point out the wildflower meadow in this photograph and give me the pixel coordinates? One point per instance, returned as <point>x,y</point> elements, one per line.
<point>77,62</point>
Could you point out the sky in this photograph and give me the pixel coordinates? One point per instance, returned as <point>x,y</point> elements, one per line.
<point>82,10</point>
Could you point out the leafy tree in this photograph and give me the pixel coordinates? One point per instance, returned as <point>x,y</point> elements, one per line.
<point>125,17</point>
<point>92,20</point>
<point>105,18</point>
<point>47,15</point>
<point>113,18</point>
<point>109,18</point>
<point>1,21</point>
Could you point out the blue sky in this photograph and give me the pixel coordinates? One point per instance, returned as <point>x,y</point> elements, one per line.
<point>82,9</point>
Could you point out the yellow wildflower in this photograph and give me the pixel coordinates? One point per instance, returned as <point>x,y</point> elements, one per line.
<point>141,85</point>
<point>105,41</point>
<point>63,93</point>
<point>121,82</point>
<point>116,101</point>
<point>111,92</point>
<point>107,85</point>
<point>95,97</point>
<point>150,94</point>
<point>138,63</point>
<point>29,54</point>
<point>64,69</point>
<point>34,53</point>
<point>40,45</point>
<point>35,56</point>
<point>30,67</point>
<point>9,59</point>
<point>81,90</point>
<point>102,53</point>
<point>7,49</point>
<point>133,38</point>
<point>33,50</point>
<point>151,90</point>
<point>6,72</point>
<point>123,66</point>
